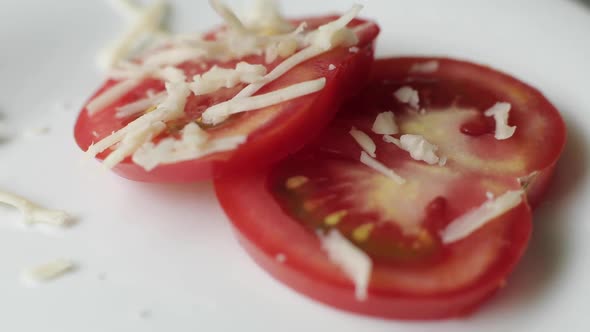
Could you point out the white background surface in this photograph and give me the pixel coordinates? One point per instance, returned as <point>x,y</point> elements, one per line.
<point>169,250</point>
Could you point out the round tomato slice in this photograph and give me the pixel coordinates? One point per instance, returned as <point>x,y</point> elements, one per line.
<point>283,215</point>
<point>272,132</point>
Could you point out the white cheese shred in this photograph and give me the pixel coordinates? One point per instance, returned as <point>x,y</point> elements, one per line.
<point>219,112</point>
<point>34,214</point>
<point>500,113</point>
<point>379,167</point>
<point>385,124</point>
<point>426,67</point>
<point>140,105</point>
<point>393,140</point>
<point>354,262</point>
<point>111,95</point>
<point>364,141</point>
<point>48,271</point>
<point>216,77</point>
<point>476,218</point>
<point>147,20</point>
<point>419,148</point>
<point>407,95</point>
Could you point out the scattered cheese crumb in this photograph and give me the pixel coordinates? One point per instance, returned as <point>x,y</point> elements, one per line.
<point>500,113</point>
<point>353,49</point>
<point>442,161</point>
<point>379,167</point>
<point>331,67</point>
<point>476,218</point>
<point>33,214</point>
<point>355,263</point>
<point>419,148</point>
<point>48,271</point>
<point>365,142</point>
<point>409,96</point>
<point>385,124</point>
<point>425,67</point>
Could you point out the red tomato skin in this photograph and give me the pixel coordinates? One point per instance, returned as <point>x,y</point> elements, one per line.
<point>264,147</point>
<point>265,230</point>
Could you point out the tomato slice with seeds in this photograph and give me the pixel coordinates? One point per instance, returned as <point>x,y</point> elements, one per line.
<point>272,132</point>
<point>324,187</point>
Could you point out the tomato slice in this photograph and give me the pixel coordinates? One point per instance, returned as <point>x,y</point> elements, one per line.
<point>272,132</point>
<point>324,187</point>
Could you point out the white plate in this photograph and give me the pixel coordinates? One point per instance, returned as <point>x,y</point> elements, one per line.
<point>168,250</point>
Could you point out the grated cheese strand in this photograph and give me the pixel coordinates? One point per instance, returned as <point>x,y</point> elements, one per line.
<point>219,112</point>
<point>140,105</point>
<point>393,140</point>
<point>500,113</point>
<point>354,262</point>
<point>476,218</point>
<point>111,95</point>
<point>407,95</point>
<point>173,56</point>
<point>228,16</point>
<point>147,21</point>
<point>34,214</point>
<point>307,53</point>
<point>265,17</point>
<point>364,141</point>
<point>193,144</point>
<point>379,167</point>
<point>48,271</point>
<point>170,109</point>
<point>132,142</point>
<point>217,77</point>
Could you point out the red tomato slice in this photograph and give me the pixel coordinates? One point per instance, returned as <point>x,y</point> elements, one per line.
<point>325,186</point>
<point>273,132</point>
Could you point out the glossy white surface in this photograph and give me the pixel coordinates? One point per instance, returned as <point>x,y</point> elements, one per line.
<point>163,257</point>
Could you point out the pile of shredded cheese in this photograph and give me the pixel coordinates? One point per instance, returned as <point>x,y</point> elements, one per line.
<point>265,32</point>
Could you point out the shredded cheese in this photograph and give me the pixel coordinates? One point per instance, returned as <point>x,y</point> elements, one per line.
<point>407,95</point>
<point>379,167</point>
<point>265,17</point>
<point>193,144</point>
<point>111,95</point>
<point>140,105</point>
<point>331,67</point>
<point>425,67</point>
<point>365,142</point>
<point>173,56</point>
<point>476,218</point>
<point>171,108</point>
<point>500,113</point>
<point>419,148</point>
<point>147,21</point>
<point>216,77</point>
<point>393,140</point>
<point>354,262</point>
<point>34,214</point>
<point>385,124</point>
<point>219,112</point>
<point>48,271</point>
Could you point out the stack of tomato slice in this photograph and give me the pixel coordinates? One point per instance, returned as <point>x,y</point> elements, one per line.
<point>299,176</point>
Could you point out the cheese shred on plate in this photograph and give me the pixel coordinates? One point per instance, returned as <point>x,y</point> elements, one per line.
<point>500,113</point>
<point>379,167</point>
<point>34,214</point>
<point>385,124</point>
<point>365,142</point>
<point>354,262</point>
<point>476,218</point>
<point>48,271</point>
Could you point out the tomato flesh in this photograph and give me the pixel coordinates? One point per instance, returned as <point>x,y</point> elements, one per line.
<point>273,132</point>
<point>325,187</point>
